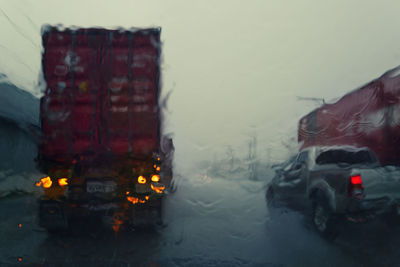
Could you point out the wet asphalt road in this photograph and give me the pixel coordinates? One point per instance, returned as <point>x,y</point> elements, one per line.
<point>209,221</point>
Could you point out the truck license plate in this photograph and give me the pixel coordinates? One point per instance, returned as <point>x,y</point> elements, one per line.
<point>100,187</point>
<point>141,188</point>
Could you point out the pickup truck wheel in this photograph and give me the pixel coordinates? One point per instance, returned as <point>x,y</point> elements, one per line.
<point>324,221</point>
<point>392,219</point>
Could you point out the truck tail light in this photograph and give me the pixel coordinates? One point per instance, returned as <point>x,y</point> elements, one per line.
<point>63,181</point>
<point>45,182</point>
<point>356,188</point>
<point>155,178</point>
<point>141,180</point>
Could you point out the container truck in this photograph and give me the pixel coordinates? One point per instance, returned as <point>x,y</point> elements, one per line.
<point>102,150</point>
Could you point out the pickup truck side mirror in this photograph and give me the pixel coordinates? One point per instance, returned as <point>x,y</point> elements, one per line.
<point>294,172</point>
<point>298,166</point>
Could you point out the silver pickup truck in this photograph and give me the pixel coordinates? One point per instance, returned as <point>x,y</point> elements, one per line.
<point>334,185</point>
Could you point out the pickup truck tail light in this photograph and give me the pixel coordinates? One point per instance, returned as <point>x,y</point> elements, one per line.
<point>356,188</point>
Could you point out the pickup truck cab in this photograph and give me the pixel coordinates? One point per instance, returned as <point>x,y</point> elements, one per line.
<point>336,184</point>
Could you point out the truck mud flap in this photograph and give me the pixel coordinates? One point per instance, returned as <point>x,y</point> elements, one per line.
<point>52,215</point>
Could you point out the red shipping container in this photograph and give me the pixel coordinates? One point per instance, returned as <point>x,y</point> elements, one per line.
<point>366,117</point>
<point>102,93</point>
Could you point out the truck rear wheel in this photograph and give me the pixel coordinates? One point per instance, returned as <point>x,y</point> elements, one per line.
<point>148,215</point>
<point>52,217</point>
<point>157,211</point>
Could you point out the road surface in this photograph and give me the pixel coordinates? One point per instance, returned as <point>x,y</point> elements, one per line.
<point>209,221</point>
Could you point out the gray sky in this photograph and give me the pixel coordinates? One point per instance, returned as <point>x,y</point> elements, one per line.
<point>234,67</point>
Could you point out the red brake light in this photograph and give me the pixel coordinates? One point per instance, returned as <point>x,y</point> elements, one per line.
<point>356,179</point>
<point>356,189</point>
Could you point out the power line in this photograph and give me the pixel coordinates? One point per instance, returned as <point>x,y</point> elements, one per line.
<point>18,29</point>
<point>315,99</point>
<point>18,58</point>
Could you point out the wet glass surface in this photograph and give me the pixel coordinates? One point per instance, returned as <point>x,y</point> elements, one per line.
<point>236,80</point>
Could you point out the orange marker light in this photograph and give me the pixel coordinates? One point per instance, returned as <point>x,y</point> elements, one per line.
<point>63,181</point>
<point>155,178</point>
<point>158,189</point>
<point>133,200</point>
<point>158,169</point>
<point>141,180</point>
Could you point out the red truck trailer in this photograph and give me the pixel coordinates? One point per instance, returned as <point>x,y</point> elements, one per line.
<point>366,117</point>
<point>102,151</point>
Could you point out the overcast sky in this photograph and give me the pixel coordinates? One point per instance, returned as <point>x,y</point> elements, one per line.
<point>235,68</point>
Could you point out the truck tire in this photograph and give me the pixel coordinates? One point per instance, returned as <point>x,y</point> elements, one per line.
<point>149,215</point>
<point>52,217</point>
<point>323,220</point>
<point>158,211</point>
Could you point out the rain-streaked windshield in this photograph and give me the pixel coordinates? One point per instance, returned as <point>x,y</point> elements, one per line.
<point>170,133</point>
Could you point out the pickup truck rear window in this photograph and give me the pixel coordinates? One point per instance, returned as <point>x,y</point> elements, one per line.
<point>342,156</point>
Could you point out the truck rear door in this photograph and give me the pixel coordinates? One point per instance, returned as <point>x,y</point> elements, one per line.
<point>131,89</point>
<point>102,92</point>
